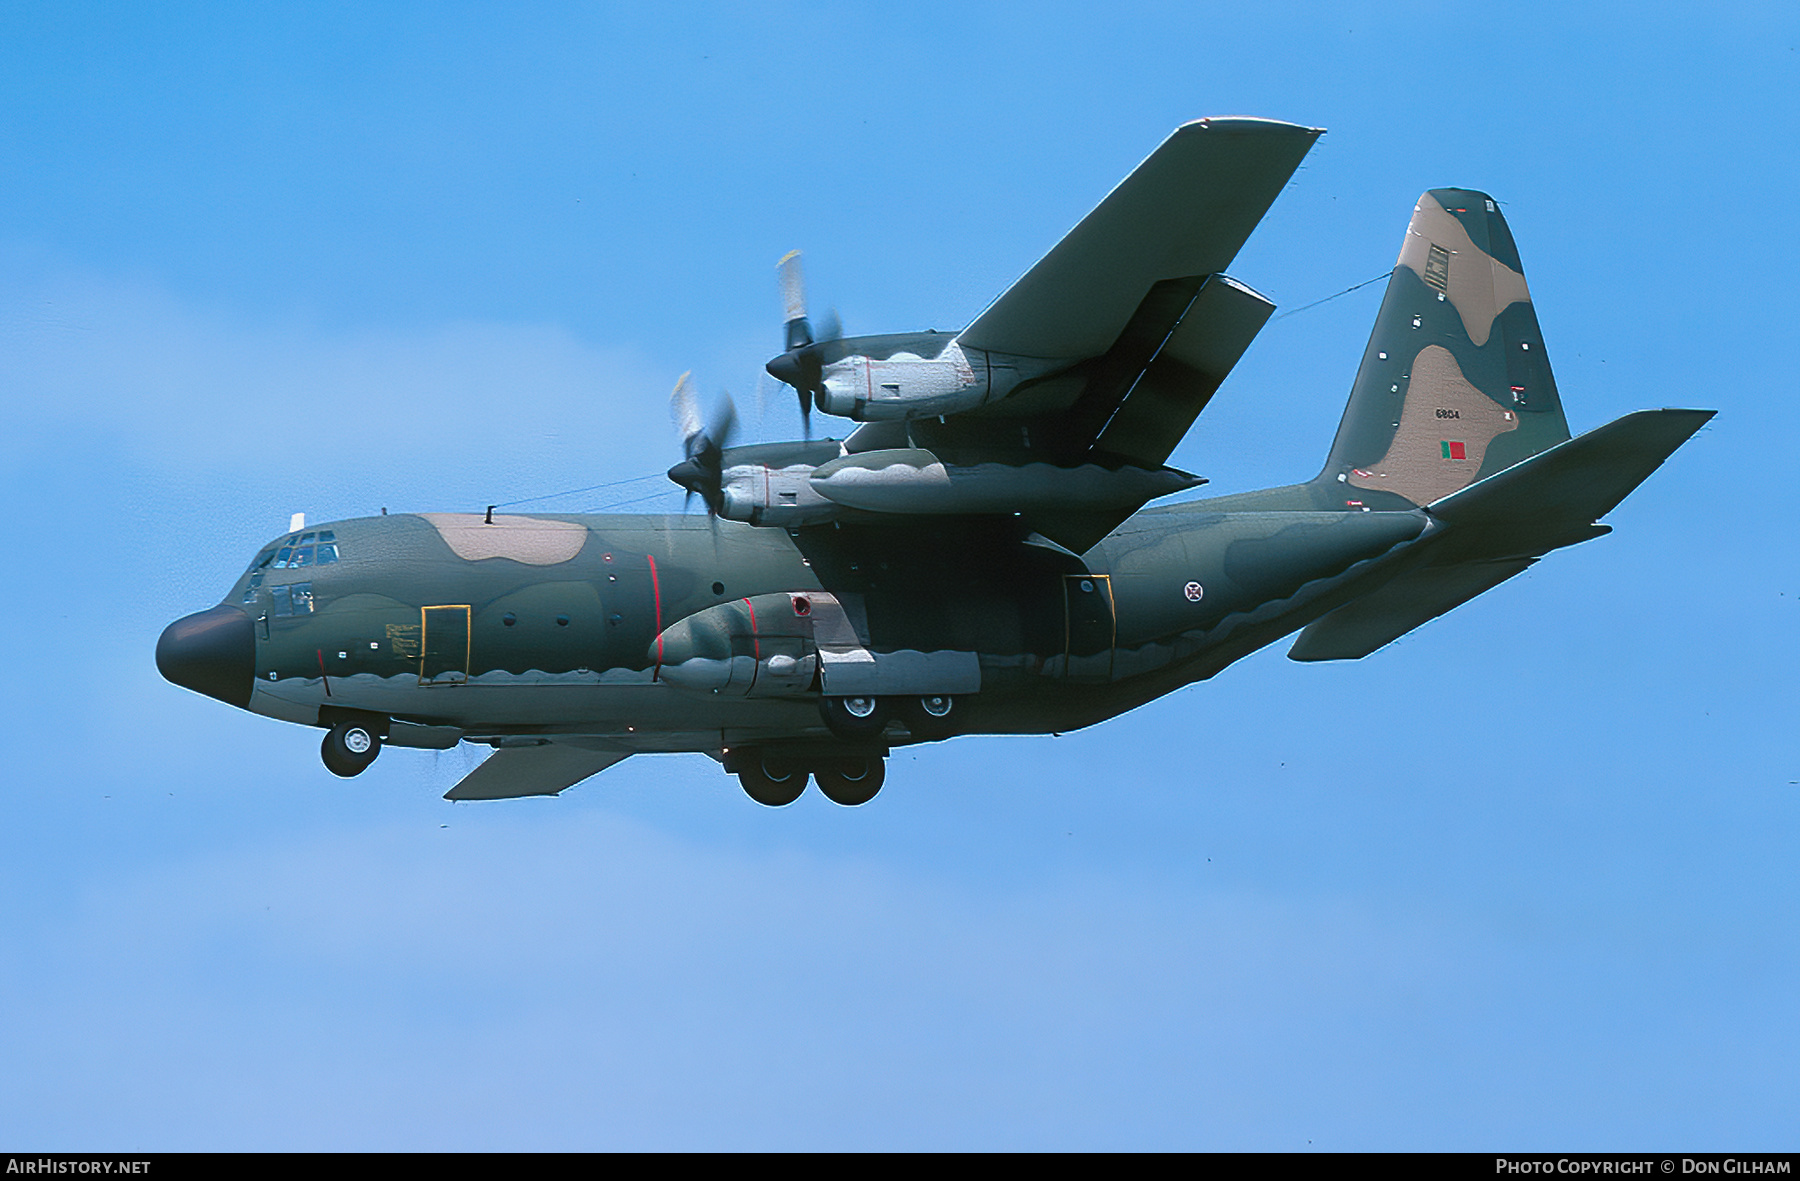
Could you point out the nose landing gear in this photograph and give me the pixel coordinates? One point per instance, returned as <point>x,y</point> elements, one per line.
<point>349,748</point>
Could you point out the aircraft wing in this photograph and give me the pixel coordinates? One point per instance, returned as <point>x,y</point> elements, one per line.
<point>547,770</point>
<point>1184,212</point>
<point>1063,401</point>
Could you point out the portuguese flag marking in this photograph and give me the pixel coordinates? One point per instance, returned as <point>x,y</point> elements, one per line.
<point>1454,451</point>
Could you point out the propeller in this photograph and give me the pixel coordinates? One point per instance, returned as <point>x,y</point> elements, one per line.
<point>802,364</point>
<point>703,443</point>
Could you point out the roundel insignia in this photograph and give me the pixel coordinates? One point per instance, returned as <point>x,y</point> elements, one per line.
<point>1194,592</point>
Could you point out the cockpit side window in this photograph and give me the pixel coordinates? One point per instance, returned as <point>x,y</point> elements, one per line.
<point>294,599</point>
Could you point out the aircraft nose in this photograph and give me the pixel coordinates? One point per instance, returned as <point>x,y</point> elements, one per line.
<point>211,652</point>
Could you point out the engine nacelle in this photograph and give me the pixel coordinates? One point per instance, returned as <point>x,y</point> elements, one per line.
<point>907,384</point>
<point>780,497</point>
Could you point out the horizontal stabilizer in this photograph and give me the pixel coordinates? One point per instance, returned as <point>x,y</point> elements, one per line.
<point>515,771</point>
<point>1554,497</point>
<point>1186,210</point>
<point>1499,526</point>
<point>1358,628</point>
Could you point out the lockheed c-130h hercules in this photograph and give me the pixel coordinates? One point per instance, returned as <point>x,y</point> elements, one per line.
<point>975,556</point>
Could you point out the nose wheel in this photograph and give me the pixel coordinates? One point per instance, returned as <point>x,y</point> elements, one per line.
<point>349,748</point>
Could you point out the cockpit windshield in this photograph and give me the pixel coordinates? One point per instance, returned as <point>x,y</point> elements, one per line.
<point>315,548</point>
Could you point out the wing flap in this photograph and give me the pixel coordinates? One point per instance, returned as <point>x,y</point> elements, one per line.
<point>1195,360</point>
<point>516,771</point>
<point>1186,210</point>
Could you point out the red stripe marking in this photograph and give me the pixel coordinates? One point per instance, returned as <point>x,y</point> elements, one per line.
<point>325,680</point>
<point>755,640</point>
<point>656,593</point>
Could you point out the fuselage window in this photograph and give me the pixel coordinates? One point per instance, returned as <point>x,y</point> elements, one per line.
<point>250,590</point>
<point>327,555</point>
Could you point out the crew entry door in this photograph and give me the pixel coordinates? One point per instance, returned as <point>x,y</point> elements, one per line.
<point>444,646</point>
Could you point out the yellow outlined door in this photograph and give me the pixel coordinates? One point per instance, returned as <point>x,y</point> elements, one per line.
<point>1090,626</point>
<point>444,645</point>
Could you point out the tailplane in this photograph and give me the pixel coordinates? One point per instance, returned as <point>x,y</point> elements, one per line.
<point>1500,526</point>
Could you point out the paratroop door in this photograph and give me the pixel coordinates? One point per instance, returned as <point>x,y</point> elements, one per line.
<point>1089,626</point>
<point>444,646</point>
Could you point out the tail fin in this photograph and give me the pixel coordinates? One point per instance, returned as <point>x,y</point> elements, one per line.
<point>1455,384</point>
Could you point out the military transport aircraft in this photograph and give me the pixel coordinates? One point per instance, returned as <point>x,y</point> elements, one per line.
<point>975,557</point>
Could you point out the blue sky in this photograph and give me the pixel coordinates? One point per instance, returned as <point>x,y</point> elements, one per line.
<point>1524,880</point>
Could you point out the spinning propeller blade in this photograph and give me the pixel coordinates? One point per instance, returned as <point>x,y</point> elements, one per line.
<point>801,365</point>
<point>703,443</point>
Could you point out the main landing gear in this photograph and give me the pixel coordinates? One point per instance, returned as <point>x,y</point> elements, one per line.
<point>777,780</point>
<point>349,748</point>
<point>862,719</point>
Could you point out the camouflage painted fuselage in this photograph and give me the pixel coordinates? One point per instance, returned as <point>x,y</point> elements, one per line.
<point>550,625</point>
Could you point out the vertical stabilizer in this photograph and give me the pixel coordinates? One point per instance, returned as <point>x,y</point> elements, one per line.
<point>1455,384</point>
